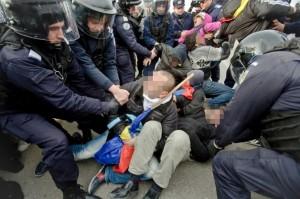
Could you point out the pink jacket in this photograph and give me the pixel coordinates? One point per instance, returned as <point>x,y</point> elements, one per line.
<point>206,27</point>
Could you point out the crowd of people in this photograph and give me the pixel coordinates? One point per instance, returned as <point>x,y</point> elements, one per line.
<point>146,79</point>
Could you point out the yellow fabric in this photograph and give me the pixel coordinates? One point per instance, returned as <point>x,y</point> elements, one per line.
<point>241,8</point>
<point>125,135</point>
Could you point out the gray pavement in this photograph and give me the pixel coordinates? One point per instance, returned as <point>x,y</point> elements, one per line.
<point>191,180</point>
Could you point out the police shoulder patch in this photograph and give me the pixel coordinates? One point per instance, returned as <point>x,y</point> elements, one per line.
<point>126,26</point>
<point>34,55</point>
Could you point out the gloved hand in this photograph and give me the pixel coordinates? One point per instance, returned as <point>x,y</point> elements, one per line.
<point>213,149</point>
<point>111,107</point>
<point>225,50</point>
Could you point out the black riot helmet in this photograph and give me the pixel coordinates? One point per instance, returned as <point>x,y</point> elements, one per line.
<point>126,4</point>
<point>32,18</point>
<point>253,45</point>
<point>94,11</point>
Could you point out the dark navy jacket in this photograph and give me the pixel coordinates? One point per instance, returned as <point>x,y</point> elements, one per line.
<point>150,39</point>
<point>272,84</point>
<point>183,22</point>
<point>293,27</point>
<point>214,11</point>
<point>125,37</point>
<point>26,81</point>
<point>86,47</point>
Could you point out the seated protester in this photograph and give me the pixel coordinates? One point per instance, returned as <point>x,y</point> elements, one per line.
<point>202,25</point>
<point>200,56</point>
<point>158,28</point>
<point>192,117</point>
<point>158,134</point>
<point>182,19</point>
<point>96,50</point>
<point>173,60</point>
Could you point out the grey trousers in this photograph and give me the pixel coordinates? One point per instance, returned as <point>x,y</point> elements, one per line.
<point>176,150</point>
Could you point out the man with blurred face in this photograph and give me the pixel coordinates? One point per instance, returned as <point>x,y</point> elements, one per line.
<point>158,135</point>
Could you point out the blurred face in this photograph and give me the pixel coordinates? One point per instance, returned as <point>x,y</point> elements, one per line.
<point>96,25</point>
<point>179,10</point>
<point>153,86</point>
<point>214,116</point>
<point>161,8</point>
<point>205,4</point>
<point>198,21</point>
<point>56,33</point>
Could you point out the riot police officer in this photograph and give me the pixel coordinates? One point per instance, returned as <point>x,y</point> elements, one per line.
<point>182,20</point>
<point>126,40</point>
<point>158,28</point>
<point>39,80</point>
<point>267,104</point>
<point>96,49</point>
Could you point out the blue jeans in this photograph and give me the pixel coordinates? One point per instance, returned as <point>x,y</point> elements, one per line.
<point>220,93</point>
<point>237,173</point>
<point>88,150</point>
<point>119,178</point>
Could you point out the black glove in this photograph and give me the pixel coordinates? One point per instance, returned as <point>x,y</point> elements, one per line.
<point>225,50</point>
<point>212,148</point>
<point>111,107</point>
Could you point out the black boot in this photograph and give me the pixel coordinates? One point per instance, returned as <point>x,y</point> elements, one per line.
<point>154,192</point>
<point>75,192</point>
<point>127,191</point>
<point>40,169</point>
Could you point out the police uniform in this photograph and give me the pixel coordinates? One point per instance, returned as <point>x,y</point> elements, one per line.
<point>268,104</point>
<point>98,58</point>
<point>158,29</point>
<point>181,22</point>
<point>33,91</point>
<point>127,44</point>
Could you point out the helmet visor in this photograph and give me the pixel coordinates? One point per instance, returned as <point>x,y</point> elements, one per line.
<point>91,22</point>
<point>32,18</point>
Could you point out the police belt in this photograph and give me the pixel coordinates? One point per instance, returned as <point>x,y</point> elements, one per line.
<point>281,132</point>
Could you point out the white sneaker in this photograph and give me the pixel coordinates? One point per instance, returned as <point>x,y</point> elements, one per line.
<point>22,145</point>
